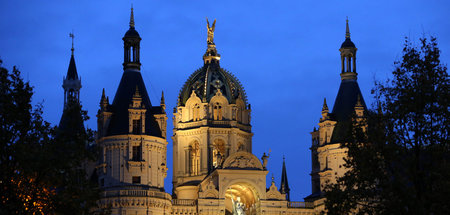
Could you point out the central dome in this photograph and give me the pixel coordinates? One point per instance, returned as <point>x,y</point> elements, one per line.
<point>206,81</point>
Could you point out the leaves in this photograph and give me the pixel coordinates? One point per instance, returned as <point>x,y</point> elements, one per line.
<point>42,166</point>
<point>401,164</point>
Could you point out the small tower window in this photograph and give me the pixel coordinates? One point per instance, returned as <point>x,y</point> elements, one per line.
<point>137,153</point>
<point>137,126</point>
<point>136,179</point>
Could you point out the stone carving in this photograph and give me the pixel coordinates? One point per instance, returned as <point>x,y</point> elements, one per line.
<point>209,190</point>
<point>242,160</point>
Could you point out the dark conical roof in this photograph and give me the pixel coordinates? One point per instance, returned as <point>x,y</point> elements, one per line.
<point>72,71</point>
<point>344,107</point>
<point>119,123</point>
<point>71,119</point>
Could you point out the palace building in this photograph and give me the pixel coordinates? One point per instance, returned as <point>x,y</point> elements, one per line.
<point>214,169</point>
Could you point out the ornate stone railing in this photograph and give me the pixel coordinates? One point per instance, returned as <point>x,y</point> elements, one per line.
<point>231,123</point>
<point>300,204</point>
<point>136,193</point>
<point>184,202</point>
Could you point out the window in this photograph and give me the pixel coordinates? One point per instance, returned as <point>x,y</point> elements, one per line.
<point>137,152</point>
<point>137,126</point>
<point>217,112</point>
<point>196,112</point>
<point>136,179</point>
<point>194,158</point>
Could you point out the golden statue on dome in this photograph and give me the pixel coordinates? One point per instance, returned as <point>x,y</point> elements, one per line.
<point>210,39</point>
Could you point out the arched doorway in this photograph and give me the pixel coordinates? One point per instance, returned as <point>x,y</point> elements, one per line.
<point>246,195</point>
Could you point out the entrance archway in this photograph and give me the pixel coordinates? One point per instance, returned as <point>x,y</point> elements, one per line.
<point>243,193</point>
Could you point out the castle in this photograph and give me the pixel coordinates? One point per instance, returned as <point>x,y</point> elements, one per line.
<point>214,170</point>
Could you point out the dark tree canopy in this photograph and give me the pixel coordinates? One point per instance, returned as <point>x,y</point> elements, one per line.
<point>401,163</point>
<point>42,167</point>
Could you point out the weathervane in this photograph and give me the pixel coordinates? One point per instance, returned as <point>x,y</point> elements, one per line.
<point>72,36</point>
<point>210,39</point>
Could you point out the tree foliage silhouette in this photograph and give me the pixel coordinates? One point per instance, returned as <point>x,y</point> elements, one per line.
<point>42,167</point>
<point>401,163</point>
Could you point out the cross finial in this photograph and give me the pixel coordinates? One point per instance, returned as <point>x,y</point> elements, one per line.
<point>72,36</point>
<point>132,17</point>
<point>347,29</point>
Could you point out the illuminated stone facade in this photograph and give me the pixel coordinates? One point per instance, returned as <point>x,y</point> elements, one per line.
<point>214,170</point>
<point>326,151</point>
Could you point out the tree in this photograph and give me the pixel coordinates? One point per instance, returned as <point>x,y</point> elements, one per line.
<point>41,166</point>
<point>401,163</point>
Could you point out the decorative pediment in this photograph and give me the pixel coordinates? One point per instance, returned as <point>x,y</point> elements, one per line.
<point>209,191</point>
<point>193,99</point>
<point>242,160</point>
<point>273,193</point>
<point>219,98</point>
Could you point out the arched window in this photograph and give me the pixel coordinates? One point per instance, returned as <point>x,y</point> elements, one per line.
<point>194,158</point>
<point>217,111</point>
<point>218,152</point>
<point>196,112</point>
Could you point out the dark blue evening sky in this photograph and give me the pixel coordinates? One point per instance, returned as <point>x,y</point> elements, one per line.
<point>285,53</point>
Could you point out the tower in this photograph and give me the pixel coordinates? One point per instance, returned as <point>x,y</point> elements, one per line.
<point>132,138</point>
<point>211,120</point>
<point>326,151</point>
<point>71,120</point>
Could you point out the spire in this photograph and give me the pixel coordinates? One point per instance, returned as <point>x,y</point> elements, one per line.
<point>72,36</point>
<point>132,17</point>
<point>325,106</point>
<point>347,29</point>
<point>137,94</point>
<point>72,71</point>
<point>358,102</point>
<point>104,101</point>
<point>348,56</point>
<point>163,102</point>
<point>284,186</point>
<point>131,58</point>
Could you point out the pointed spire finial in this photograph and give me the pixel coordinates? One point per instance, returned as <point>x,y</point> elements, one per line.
<point>325,106</point>
<point>162,97</point>
<point>103,93</point>
<point>132,17</point>
<point>72,36</point>
<point>137,94</point>
<point>358,102</point>
<point>284,186</point>
<point>104,100</point>
<point>273,179</point>
<point>347,29</point>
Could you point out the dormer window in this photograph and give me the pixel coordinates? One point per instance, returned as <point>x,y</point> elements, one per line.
<point>137,126</point>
